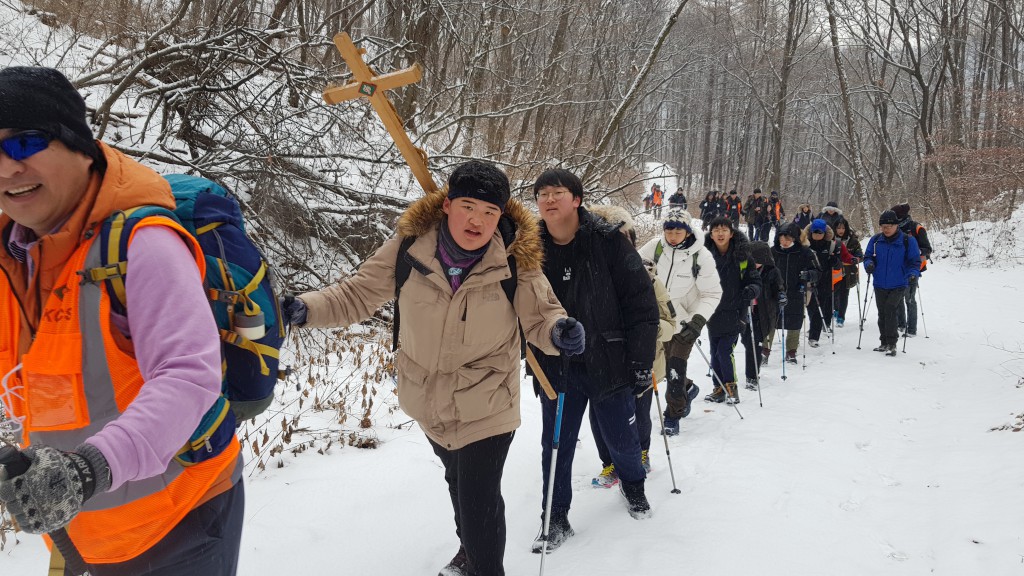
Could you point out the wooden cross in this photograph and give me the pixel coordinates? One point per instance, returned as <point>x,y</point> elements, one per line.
<point>369,84</point>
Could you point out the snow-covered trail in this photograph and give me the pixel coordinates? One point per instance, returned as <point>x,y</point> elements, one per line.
<point>860,464</point>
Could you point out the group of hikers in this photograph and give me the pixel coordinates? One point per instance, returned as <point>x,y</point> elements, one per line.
<point>761,214</point>
<point>473,270</point>
<point>655,200</point>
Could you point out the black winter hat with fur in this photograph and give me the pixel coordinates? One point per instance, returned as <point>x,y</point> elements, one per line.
<point>43,99</point>
<point>481,181</point>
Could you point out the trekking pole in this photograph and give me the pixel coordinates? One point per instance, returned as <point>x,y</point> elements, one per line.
<point>661,417</point>
<point>803,322</point>
<point>824,324</point>
<point>15,463</point>
<point>715,374</point>
<point>864,314</point>
<point>569,325</point>
<point>861,315</point>
<point>757,355</point>
<point>920,302</point>
<point>782,338</point>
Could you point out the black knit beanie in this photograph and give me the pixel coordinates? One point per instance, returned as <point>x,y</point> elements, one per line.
<point>481,181</point>
<point>43,99</point>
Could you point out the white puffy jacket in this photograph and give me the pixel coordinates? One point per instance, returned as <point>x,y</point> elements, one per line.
<point>674,268</point>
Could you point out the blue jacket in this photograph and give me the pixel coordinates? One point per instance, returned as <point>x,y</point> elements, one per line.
<point>895,259</point>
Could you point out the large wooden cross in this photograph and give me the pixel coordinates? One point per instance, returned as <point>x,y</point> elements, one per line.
<point>370,85</point>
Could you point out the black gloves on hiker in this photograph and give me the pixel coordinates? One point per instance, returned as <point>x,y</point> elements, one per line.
<point>50,493</point>
<point>643,380</point>
<point>869,267</point>
<point>568,336</point>
<point>691,330</point>
<point>294,310</point>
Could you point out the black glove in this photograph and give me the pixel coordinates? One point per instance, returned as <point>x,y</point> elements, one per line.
<point>50,493</point>
<point>569,337</point>
<point>748,294</point>
<point>869,267</point>
<point>783,298</point>
<point>691,330</point>
<point>912,281</point>
<point>643,380</point>
<point>294,310</point>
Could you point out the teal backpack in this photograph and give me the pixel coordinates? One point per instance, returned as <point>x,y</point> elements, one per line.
<point>239,284</point>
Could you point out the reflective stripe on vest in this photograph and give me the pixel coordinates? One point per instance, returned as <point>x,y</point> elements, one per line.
<point>76,380</point>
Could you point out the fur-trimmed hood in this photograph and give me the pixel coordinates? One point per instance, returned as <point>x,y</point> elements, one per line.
<point>616,216</point>
<point>427,212</point>
<point>805,235</point>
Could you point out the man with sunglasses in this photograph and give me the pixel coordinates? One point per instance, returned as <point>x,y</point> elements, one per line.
<point>106,401</point>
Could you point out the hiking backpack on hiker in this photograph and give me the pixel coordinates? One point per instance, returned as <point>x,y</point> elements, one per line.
<point>239,285</point>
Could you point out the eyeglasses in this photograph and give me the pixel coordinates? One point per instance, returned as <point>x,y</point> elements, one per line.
<point>674,226</point>
<point>25,144</point>
<point>556,195</point>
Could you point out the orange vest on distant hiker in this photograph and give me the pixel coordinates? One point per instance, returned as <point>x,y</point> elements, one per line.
<point>76,378</point>
<point>656,197</point>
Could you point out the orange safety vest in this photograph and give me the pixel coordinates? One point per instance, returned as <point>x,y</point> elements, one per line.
<point>75,379</point>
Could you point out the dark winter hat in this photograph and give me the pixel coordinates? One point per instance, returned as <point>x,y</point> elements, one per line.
<point>791,230</point>
<point>774,193</point>
<point>888,217</point>
<point>831,207</point>
<point>43,99</point>
<point>481,181</point>
<point>677,218</point>
<point>761,253</point>
<point>732,192</point>
<point>818,225</point>
<point>902,210</point>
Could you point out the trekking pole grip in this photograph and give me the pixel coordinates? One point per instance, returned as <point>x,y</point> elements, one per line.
<point>15,463</point>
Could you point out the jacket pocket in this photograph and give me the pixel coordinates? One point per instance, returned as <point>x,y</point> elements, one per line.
<point>412,387</point>
<point>481,392</point>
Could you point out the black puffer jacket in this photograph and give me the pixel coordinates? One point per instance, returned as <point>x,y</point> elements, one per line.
<point>790,263</point>
<point>736,271</point>
<point>771,286</point>
<point>612,296</point>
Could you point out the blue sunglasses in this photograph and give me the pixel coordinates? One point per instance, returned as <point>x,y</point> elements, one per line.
<point>25,144</point>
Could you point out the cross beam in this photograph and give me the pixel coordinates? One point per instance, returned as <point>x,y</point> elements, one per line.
<point>367,83</point>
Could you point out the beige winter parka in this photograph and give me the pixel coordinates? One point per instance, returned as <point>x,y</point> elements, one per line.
<point>459,363</point>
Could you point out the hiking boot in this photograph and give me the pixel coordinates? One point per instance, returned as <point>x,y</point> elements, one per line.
<point>764,356</point>
<point>645,461</point>
<point>891,351</point>
<point>459,566</point>
<point>751,384</point>
<point>840,322</point>
<point>671,427</point>
<point>791,356</point>
<point>813,343</point>
<point>910,334</point>
<point>559,531</point>
<point>691,392</point>
<point>881,348</point>
<point>607,478</point>
<point>636,500</point>
<point>732,393</point>
<point>717,395</point>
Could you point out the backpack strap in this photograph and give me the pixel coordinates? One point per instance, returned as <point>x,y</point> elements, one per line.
<point>402,269</point>
<point>658,250</point>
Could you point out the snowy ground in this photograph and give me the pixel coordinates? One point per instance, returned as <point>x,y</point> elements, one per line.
<point>860,464</point>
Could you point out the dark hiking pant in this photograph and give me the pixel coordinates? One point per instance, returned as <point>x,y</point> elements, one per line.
<point>205,542</point>
<point>677,352</point>
<point>888,303</point>
<point>753,348</point>
<point>842,295</point>
<point>722,360</point>
<point>643,427</point>
<point>824,299</point>
<point>616,420</point>
<point>907,315</point>
<point>473,473</point>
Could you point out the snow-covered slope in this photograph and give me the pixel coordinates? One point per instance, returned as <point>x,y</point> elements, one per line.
<point>858,464</point>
